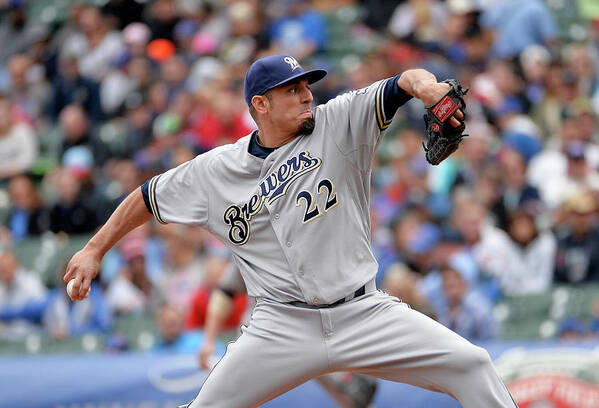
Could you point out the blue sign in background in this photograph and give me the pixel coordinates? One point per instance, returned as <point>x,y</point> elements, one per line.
<point>158,380</point>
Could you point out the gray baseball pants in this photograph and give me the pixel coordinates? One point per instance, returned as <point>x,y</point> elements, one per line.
<point>375,334</point>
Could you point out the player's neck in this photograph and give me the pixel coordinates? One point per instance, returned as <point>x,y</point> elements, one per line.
<point>270,137</point>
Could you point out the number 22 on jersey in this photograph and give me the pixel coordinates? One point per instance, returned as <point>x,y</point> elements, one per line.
<point>313,210</point>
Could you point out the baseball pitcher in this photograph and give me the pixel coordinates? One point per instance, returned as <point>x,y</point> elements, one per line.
<point>291,201</point>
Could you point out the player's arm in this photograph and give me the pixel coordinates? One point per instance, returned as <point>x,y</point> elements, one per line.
<point>168,196</point>
<point>423,85</point>
<point>84,265</point>
<point>219,309</point>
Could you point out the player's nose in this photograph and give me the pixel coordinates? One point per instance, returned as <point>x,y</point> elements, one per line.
<point>306,95</point>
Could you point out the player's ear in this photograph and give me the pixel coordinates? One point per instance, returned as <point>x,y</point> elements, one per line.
<point>260,103</point>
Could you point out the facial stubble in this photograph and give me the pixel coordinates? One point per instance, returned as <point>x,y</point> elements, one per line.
<point>306,127</point>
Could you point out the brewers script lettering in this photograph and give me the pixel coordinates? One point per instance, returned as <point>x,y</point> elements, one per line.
<point>273,187</point>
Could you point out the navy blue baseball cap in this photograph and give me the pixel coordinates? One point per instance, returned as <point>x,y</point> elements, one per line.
<point>272,71</point>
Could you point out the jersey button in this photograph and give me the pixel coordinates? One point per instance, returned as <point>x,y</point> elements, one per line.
<point>288,243</point>
<point>301,272</point>
<point>316,301</point>
<point>277,216</point>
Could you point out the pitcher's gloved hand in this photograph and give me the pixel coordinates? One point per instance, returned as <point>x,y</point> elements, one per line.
<point>442,138</point>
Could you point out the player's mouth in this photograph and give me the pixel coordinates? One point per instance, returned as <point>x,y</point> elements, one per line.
<point>306,113</point>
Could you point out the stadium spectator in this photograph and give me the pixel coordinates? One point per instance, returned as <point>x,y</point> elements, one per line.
<point>173,336</point>
<point>419,22</point>
<point>415,238</point>
<point>18,142</point>
<point>469,218</point>
<point>125,85</point>
<point>96,45</point>
<point>137,132</point>
<point>131,292</point>
<point>468,313</point>
<point>124,179</point>
<point>215,266</point>
<point>516,192</point>
<point>136,37</point>
<point>472,159</point>
<point>219,120</point>
<point>487,188</point>
<point>534,60</point>
<point>27,217</point>
<point>571,169</point>
<point>73,213</point>
<point>77,132</point>
<point>158,155</point>
<point>403,283</point>
<point>521,257</point>
<point>17,30</point>
<point>299,31</point>
<point>18,288</point>
<point>184,269</point>
<point>577,257</point>
<point>28,88</point>
<point>498,90</point>
<point>70,88</point>
<point>471,226</point>
<point>162,18</point>
<point>153,248</point>
<point>519,24</point>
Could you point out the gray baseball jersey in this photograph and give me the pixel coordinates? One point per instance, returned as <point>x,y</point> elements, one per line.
<point>298,222</point>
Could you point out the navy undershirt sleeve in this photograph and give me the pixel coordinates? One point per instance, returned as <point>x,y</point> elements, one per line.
<point>393,96</point>
<point>144,193</point>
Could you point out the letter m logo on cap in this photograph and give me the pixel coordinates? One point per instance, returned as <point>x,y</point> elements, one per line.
<point>292,63</point>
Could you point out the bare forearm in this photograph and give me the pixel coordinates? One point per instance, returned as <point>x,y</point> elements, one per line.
<point>219,308</point>
<point>130,214</point>
<point>417,82</point>
<point>85,264</point>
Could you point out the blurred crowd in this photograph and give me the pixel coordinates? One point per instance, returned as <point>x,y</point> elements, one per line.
<point>116,91</point>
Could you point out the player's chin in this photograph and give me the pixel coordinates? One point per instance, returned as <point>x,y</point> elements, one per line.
<point>306,127</point>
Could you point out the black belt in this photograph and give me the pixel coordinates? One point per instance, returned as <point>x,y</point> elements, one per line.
<point>357,293</point>
<point>361,291</point>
